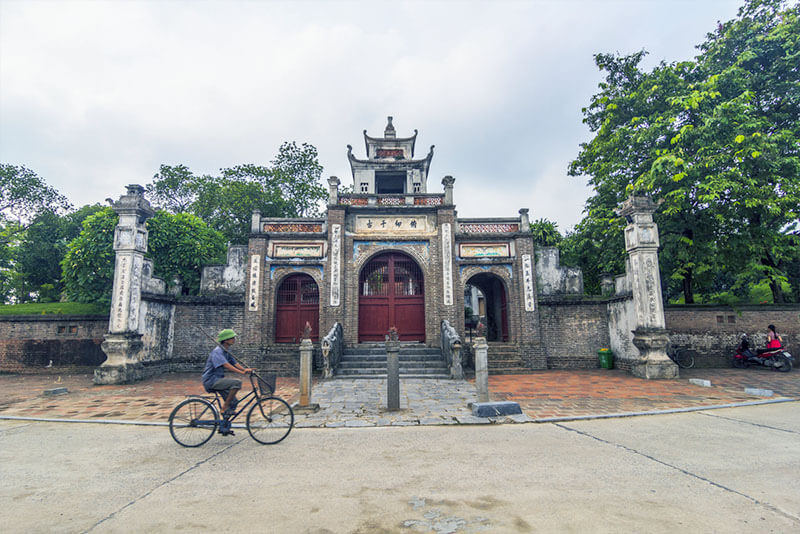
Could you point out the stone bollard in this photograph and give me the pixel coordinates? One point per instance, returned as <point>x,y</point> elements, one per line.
<point>306,347</point>
<point>456,370</point>
<point>392,371</point>
<point>482,368</point>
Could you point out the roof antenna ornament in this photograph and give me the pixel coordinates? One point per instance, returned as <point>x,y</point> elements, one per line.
<point>389,132</point>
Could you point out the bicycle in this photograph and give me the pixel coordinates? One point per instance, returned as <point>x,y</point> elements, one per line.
<point>269,420</point>
<point>683,357</point>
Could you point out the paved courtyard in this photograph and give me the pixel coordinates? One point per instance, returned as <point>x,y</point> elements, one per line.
<point>543,396</point>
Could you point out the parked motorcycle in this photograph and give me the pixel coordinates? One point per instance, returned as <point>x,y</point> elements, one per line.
<point>778,359</point>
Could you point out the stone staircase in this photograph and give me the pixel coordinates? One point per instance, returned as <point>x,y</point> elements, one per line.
<point>368,360</point>
<point>504,359</point>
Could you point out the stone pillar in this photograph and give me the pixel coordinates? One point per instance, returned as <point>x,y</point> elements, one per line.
<point>448,182</point>
<point>607,287</point>
<point>333,190</point>
<point>123,342</point>
<point>255,222</point>
<point>524,221</point>
<point>482,368</point>
<point>650,336</point>
<point>392,371</point>
<point>456,370</point>
<point>305,372</point>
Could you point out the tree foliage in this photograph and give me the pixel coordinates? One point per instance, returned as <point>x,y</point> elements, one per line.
<point>716,140</point>
<point>179,244</point>
<point>41,249</point>
<point>545,233</point>
<point>88,266</point>
<point>288,188</point>
<point>23,194</point>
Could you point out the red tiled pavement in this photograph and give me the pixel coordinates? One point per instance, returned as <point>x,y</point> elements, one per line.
<point>541,394</point>
<point>149,400</point>
<point>573,393</point>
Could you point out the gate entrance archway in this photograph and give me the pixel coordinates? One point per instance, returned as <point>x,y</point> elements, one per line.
<point>391,293</point>
<point>495,312</point>
<point>297,302</point>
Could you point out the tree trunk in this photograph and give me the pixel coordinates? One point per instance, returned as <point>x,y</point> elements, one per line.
<point>688,295</point>
<point>777,292</point>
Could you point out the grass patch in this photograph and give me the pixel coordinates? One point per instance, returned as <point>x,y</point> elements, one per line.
<point>55,308</point>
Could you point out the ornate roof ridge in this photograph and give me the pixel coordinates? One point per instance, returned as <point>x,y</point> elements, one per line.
<point>352,158</point>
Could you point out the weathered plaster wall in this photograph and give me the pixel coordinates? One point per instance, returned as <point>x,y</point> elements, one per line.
<point>621,323</point>
<point>228,279</point>
<point>554,279</point>
<point>156,328</point>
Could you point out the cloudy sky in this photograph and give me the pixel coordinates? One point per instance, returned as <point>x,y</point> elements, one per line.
<point>96,95</point>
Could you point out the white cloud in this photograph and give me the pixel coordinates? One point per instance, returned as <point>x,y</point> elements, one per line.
<point>95,95</point>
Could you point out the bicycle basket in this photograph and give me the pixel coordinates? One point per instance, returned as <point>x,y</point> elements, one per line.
<point>266,384</point>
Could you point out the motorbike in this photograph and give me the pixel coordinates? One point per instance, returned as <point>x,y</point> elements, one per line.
<point>778,359</point>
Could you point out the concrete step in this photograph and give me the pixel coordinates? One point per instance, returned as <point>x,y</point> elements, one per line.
<point>368,360</point>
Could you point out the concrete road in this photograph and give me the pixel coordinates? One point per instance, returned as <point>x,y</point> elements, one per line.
<point>734,470</point>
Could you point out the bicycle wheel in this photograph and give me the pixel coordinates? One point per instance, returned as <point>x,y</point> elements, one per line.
<point>270,420</point>
<point>193,422</point>
<point>684,359</point>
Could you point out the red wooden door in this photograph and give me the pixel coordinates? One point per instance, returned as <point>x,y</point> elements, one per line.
<point>503,315</point>
<point>391,293</point>
<point>297,302</point>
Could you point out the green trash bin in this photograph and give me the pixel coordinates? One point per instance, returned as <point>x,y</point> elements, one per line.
<point>606,358</point>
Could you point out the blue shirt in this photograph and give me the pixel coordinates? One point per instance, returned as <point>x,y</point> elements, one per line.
<point>214,369</point>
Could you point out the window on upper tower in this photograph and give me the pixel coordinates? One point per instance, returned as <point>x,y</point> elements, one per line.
<point>364,187</point>
<point>417,187</point>
<point>388,182</point>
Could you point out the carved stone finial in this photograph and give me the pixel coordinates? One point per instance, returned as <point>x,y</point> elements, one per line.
<point>480,330</point>
<point>393,334</point>
<point>307,331</point>
<point>389,132</point>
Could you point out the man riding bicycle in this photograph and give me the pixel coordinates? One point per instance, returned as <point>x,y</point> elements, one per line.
<point>214,373</point>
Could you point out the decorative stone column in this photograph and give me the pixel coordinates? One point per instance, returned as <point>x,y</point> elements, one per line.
<point>123,342</point>
<point>392,371</point>
<point>448,182</point>
<point>481,349</point>
<point>641,243</point>
<point>333,190</point>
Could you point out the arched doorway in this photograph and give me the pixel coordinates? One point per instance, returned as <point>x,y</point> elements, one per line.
<point>494,308</point>
<point>297,302</point>
<point>391,293</point>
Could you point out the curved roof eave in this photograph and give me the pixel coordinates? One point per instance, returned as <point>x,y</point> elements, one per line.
<point>413,140</point>
<point>425,161</point>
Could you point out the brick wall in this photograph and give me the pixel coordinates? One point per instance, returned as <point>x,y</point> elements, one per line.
<point>190,346</point>
<point>572,331</point>
<point>712,332</point>
<point>29,342</point>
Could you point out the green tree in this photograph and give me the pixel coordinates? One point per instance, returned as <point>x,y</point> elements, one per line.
<point>23,194</point>
<point>174,188</point>
<point>180,245</point>
<point>716,141</point>
<point>298,171</point>
<point>545,233</point>
<point>288,188</point>
<point>10,279</point>
<point>88,266</point>
<point>42,247</point>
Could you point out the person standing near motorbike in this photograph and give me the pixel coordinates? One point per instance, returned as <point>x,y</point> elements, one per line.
<point>774,341</point>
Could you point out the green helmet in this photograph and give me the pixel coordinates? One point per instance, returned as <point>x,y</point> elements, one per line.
<point>225,334</point>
